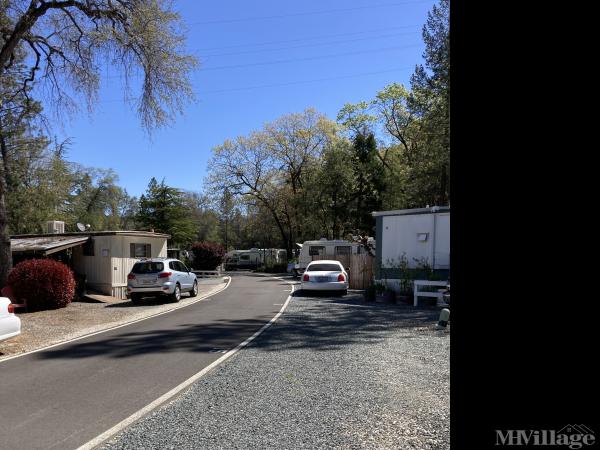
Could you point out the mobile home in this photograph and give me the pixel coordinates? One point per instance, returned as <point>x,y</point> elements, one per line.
<point>421,234</point>
<point>104,258</point>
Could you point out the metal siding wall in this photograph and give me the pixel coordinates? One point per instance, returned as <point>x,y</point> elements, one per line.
<point>399,235</point>
<point>123,262</point>
<point>109,274</point>
<point>101,265</point>
<point>442,241</point>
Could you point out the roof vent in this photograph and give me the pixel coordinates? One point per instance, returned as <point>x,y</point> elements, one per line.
<point>55,226</point>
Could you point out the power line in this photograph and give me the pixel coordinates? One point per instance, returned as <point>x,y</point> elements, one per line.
<point>288,83</point>
<point>307,38</point>
<point>291,83</point>
<point>317,44</point>
<point>327,11</point>
<point>311,58</point>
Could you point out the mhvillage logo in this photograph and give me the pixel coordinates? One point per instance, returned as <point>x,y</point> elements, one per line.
<point>571,436</point>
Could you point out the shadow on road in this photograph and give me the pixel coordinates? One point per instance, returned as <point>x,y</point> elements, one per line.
<point>328,323</point>
<point>188,337</point>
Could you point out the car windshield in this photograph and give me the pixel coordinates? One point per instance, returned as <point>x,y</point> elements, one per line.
<point>324,268</point>
<point>148,267</point>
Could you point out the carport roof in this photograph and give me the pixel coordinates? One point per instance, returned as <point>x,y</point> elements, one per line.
<point>45,245</point>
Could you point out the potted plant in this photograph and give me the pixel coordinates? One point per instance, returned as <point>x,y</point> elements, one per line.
<point>370,293</point>
<point>379,291</point>
<point>406,290</point>
<point>389,295</point>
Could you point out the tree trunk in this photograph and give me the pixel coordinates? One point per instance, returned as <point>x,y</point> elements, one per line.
<point>335,229</point>
<point>5,253</point>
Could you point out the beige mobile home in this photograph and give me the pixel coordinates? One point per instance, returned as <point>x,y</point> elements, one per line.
<point>104,257</point>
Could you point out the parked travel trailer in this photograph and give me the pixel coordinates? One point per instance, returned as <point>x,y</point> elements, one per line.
<point>254,257</point>
<point>325,249</point>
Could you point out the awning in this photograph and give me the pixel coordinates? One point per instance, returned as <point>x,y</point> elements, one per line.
<point>45,245</point>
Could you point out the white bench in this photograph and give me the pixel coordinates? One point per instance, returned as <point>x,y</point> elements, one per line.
<point>418,293</point>
<point>207,273</point>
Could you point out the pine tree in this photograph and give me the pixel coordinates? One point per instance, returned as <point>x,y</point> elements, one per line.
<point>163,209</point>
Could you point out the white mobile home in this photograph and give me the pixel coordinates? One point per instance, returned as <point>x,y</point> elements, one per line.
<point>104,258</point>
<point>420,234</point>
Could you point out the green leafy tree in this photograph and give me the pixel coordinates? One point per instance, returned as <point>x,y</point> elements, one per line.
<point>369,182</point>
<point>431,101</point>
<point>269,168</point>
<point>163,209</point>
<point>62,46</point>
<point>332,192</point>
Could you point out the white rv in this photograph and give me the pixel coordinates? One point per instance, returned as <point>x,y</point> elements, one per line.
<point>325,249</point>
<point>249,259</point>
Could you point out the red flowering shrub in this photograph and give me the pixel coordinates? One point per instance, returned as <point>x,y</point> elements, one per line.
<point>42,283</point>
<point>207,255</point>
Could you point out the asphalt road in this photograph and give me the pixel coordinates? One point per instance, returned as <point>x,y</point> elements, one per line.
<point>63,397</point>
<point>331,373</point>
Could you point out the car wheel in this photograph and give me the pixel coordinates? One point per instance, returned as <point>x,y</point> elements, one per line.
<point>176,295</point>
<point>344,292</point>
<point>194,290</point>
<point>135,299</point>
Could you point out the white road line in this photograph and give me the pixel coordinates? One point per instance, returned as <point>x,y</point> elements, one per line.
<point>199,299</point>
<point>163,398</point>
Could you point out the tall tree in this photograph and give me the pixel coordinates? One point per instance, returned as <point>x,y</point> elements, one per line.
<point>163,209</point>
<point>369,182</point>
<point>431,101</point>
<point>63,45</point>
<point>268,168</point>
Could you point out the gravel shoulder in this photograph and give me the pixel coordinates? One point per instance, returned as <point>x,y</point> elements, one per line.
<point>330,373</point>
<point>44,328</point>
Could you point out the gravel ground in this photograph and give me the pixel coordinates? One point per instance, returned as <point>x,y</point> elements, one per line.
<point>43,328</point>
<point>331,373</point>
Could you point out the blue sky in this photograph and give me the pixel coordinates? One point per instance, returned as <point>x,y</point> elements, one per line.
<point>259,60</point>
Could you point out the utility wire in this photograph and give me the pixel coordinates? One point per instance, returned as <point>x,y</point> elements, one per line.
<point>307,38</point>
<point>263,63</point>
<point>291,83</point>
<point>311,58</point>
<point>317,44</point>
<point>311,13</point>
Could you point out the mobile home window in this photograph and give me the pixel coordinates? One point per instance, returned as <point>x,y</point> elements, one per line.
<point>316,250</point>
<point>343,250</point>
<point>140,251</point>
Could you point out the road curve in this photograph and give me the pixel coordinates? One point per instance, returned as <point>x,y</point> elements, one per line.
<point>63,397</point>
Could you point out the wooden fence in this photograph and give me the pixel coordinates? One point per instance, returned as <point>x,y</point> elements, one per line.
<point>359,268</point>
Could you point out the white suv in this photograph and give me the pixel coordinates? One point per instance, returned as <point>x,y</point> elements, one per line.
<point>160,276</point>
